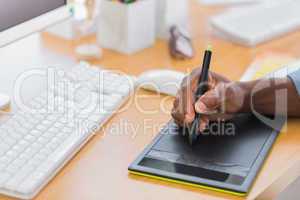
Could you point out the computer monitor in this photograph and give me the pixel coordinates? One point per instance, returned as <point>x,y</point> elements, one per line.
<point>19,18</point>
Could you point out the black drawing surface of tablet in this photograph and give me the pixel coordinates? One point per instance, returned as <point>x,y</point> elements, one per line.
<point>228,160</point>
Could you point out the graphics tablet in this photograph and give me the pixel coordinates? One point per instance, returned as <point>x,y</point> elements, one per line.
<point>221,160</point>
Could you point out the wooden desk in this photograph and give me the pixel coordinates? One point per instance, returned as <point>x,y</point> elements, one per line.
<point>99,170</point>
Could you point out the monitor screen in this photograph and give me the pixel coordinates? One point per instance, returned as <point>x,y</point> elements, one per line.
<point>14,12</point>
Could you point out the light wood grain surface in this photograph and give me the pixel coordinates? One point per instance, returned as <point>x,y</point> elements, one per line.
<point>99,170</point>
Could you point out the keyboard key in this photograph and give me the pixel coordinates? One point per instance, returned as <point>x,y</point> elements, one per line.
<point>4,160</point>
<point>29,138</point>
<point>9,141</point>
<point>41,127</point>
<point>36,133</point>
<point>3,148</point>
<point>2,166</point>
<point>12,169</point>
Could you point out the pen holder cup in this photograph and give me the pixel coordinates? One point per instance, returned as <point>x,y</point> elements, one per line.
<point>126,28</point>
<point>169,13</point>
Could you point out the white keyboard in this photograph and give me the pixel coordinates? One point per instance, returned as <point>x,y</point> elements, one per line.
<point>35,145</point>
<point>257,24</point>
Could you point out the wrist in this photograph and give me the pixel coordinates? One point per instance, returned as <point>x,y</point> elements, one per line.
<point>244,93</point>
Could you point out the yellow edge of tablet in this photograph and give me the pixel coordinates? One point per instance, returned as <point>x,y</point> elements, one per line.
<point>188,184</point>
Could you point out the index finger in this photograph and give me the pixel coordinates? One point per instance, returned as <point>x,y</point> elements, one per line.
<point>186,101</point>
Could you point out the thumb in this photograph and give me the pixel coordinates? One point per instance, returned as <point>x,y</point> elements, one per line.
<point>208,102</point>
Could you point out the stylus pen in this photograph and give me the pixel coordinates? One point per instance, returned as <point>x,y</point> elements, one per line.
<point>201,89</point>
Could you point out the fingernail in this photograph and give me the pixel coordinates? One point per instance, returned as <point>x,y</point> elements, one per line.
<point>202,127</point>
<point>200,107</point>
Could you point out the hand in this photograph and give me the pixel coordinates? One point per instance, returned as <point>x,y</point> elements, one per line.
<point>224,97</point>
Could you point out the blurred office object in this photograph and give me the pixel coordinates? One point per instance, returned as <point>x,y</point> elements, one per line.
<point>126,27</point>
<point>226,2</point>
<point>237,2</point>
<point>68,29</point>
<point>180,44</point>
<point>15,15</point>
<point>169,13</point>
<point>266,63</point>
<point>161,81</point>
<point>258,24</point>
<point>88,52</point>
<point>92,8</point>
<point>89,26</point>
<point>82,23</point>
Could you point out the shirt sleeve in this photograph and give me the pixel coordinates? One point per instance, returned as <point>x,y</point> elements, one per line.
<point>295,77</point>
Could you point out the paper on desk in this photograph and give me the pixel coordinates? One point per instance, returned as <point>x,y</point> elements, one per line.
<point>271,65</point>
